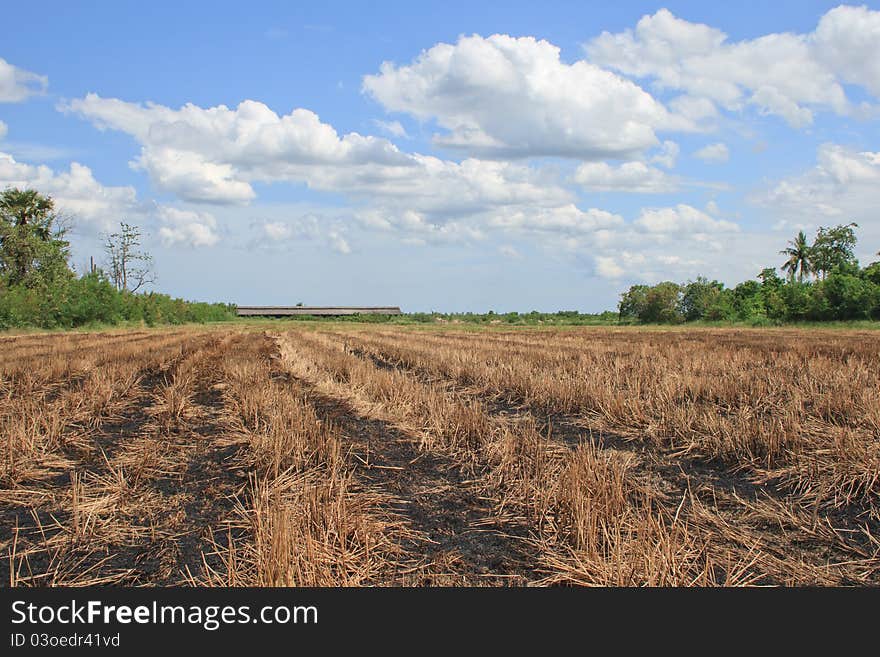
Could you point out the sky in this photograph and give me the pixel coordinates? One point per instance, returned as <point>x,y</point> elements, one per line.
<point>454,156</point>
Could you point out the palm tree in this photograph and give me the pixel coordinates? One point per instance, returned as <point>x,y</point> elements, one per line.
<point>798,257</point>
<point>28,207</point>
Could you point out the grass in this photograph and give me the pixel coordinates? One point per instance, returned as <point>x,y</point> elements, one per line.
<point>276,453</point>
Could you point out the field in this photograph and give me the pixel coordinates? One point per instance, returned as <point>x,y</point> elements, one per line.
<point>344,455</point>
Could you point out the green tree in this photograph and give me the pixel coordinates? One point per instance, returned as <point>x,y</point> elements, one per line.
<point>849,295</point>
<point>769,279</point>
<point>128,267</point>
<point>700,298</point>
<point>833,247</point>
<point>799,255</point>
<point>748,302</point>
<point>872,273</point>
<point>662,304</point>
<point>772,287</point>
<point>33,251</point>
<point>632,302</point>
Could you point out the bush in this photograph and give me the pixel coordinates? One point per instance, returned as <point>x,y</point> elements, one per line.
<point>92,299</point>
<point>662,304</point>
<point>847,293</point>
<point>849,296</point>
<point>698,297</point>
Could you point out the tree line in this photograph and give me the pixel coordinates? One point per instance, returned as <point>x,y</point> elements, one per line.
<point>39,288</point>
<point>823,282</point>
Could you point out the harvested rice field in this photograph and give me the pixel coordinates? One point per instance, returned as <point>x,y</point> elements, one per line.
<point>345,455</point>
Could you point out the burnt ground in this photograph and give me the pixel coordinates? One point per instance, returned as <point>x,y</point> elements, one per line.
<point>454,536</point>
<point>677,477</point>
<point>162,491</point>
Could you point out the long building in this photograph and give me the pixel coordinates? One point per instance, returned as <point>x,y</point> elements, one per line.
<point>317,311</point>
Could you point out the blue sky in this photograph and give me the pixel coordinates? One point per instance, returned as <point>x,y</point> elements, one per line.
<point>446,156</point>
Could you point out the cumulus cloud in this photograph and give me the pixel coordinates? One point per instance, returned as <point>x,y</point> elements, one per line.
<point>843,185</point>
<point>717,152</point>
<point>417,229</point>
<point>393,128</point>
<point>667,155</point>
<point>607,267</point>
<point>506,97</point>
<point>95,207</point>
<point>216,154</point>
<point>306,227</point>
<point>280,234</point>
<point>646,266</point>
<point>338,243</point>
<point>442,188</point>
<point>17,85</point>
<point>196,229</point>
<point>628,177</point>
<point>76,191</point>
<point>847,40</point>
<point>669,243</point>
<point>681,220</point>
<point>784,74</point>
<point>213,154</point>
<point>568,219</point>
<point>192,177</point>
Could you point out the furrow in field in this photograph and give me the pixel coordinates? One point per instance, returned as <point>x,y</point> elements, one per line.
<point>134,490</point>
<point>736,498</point>
<point>589,510</point>
<point>775,415</point>
<point>303,518</point>
<point>458,534</point>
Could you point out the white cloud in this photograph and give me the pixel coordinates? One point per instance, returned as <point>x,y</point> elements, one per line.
<point>277,231</point>
<point>568,219</point>
<point>717,152</point>
<point>847,39</point>
<point>668,154</point>
<point>785,74</point>
<point>636,177</point>
<point>197,229</point>
<point>214,154</point>
<point>648,266</point>
<point>607,267</point>
<point>843,186</point>
<point>681,220</point>
<point>338,243</point>
<point>217,154</point>
<point>95,207</point>
<point>701,111</point>
<point>509,251</point>
<point>306,227</point>
<point>76,192</point>
<point>442,188</point>
<point>4,130</point>
<point>280,234</point>
<point>393,128</point>
<point>17,85</point>
<point>417,229</point>
<point>191,177</point>
<point>513,97</point>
